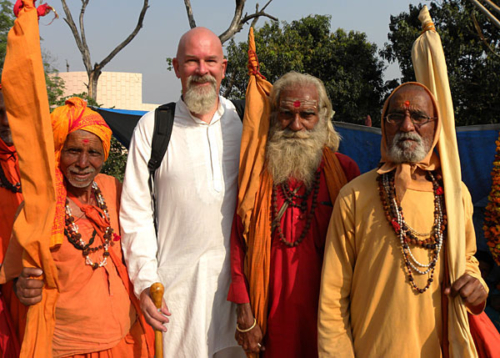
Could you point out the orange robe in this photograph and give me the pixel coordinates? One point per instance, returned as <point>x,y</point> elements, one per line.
<point>94,312</point>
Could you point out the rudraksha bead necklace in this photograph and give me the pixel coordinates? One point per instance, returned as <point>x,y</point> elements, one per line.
<point>5,183</point>
<point>289,198</point>
<point>75,238</point>
<point>407,235</point>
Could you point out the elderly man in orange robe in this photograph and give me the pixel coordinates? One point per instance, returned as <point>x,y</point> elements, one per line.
<point>96,313</point>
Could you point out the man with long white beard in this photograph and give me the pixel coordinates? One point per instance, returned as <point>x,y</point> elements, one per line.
<point>195,195</point>
<point>385,283</point>
<point>306,174</point>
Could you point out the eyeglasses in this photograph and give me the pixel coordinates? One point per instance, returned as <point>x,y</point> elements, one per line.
<point>418,119</point>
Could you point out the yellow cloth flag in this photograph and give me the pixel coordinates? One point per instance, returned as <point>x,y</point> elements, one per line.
<point>24,89</point>
<point>430,70</point>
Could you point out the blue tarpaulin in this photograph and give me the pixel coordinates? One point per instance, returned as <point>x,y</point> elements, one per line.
<point>476,146</point>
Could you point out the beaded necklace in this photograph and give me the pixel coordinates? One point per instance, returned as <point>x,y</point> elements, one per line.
<point>75,238</point>
<point>289,200</point>
<point>407,235</point>
<point>5,183</point>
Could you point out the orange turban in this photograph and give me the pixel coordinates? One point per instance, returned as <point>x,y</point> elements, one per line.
<point>73,116</point>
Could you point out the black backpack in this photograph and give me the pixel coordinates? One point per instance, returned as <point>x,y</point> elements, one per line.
<point>164,123</point>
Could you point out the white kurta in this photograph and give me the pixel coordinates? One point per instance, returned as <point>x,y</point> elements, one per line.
<point>196,188</point>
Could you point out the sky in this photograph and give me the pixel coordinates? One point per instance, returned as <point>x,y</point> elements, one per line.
<point>109,22</point>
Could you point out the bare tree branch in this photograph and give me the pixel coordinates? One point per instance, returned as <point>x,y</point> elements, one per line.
<point>239,20</point>
<point>81,41</point>
<point>189,10</point>
<point>82,33</point>
<point>485,11</point>
<point>138,27</point>
<point>83,48</point>
<point>492,5</point>
<point>481,36</point>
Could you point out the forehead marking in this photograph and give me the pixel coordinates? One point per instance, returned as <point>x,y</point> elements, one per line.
<point>407,104</point>
<point>296,104</point>
<point>85,141</point>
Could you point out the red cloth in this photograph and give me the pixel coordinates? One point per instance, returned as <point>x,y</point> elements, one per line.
<point>295,273</point>
<point>9,345</point>
<point>9,201</point>
<point>485,335</point>
<point>12,310</point>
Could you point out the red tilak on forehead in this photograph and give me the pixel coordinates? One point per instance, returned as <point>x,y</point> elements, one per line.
<point>296,104</point>
<point>85,141</point>
<point>407,104</point>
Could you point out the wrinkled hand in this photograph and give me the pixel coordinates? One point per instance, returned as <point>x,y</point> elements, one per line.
<point>28,288</point>
<point>154,316</point>
<point>250,341</point>
<point>470,289</point>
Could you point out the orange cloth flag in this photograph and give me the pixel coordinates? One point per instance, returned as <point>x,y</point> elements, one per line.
<point>23,82</point>
<point>254,194</point>
<point>256,187</point>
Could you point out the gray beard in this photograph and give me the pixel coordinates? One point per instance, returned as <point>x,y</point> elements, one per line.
<point>295,154</point>
<point>401,153</point>
<point>200,100</point>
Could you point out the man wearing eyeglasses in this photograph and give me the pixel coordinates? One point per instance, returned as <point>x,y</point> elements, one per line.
<point>385,284</point>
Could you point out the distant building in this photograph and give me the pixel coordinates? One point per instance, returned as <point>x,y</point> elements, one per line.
<point>119,90</point>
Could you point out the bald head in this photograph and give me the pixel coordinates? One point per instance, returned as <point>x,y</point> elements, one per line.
<point>197,36</point>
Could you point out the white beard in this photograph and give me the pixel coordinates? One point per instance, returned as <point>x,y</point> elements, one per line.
<point>295,154</point>
<point>402,153</point>
<point>200,100</point>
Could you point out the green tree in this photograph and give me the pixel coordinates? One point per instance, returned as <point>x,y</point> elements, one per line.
<point>346,62</point>
<point>472,49</point>
<point>6,22</point>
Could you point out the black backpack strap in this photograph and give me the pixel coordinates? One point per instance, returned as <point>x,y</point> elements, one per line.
<point>239,104</point>
<point>164,123</point>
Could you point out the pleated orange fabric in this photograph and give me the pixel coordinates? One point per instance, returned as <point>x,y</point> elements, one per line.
<point>25,94</point>
<point>254,185</point>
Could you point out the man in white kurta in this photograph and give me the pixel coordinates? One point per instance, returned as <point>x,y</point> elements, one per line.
<point>195,186</point>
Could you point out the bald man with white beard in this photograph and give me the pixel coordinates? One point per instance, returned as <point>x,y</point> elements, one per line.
<point>195,189</point>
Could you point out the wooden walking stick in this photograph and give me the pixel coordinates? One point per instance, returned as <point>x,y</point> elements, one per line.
<point>156,292</point>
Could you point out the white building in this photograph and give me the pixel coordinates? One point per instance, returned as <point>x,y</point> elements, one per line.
<point>119,90</point>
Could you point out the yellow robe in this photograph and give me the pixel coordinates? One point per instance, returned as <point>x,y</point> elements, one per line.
<point>367,307</point>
